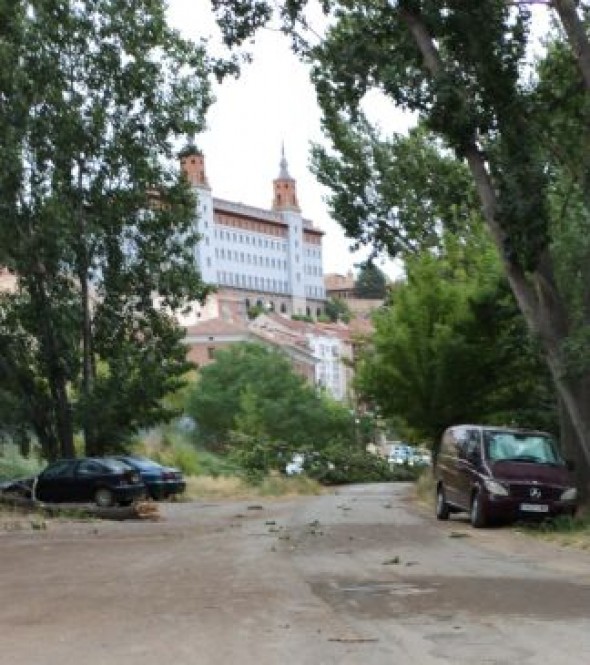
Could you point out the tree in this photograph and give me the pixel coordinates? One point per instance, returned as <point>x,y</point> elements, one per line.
<point>371,282</point>
<point>463,68</point>
<point>338,310</point>
<point>94,218</point>
<point>453,347</point>
<point>254,391</point>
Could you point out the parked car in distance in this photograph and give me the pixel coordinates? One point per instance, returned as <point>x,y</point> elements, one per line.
<point>161,481</point>
<point>295,466</point>
<point>104,481</point>
<point>420,457</point>
<point>400,453</point>
<point>497,473</point>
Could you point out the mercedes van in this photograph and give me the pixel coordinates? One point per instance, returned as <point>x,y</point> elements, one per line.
<point>503,474</point>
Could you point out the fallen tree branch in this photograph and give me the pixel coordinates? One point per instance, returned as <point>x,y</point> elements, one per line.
<point>139,510</point>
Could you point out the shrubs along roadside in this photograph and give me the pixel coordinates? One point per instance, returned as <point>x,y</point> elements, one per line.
<point>14,465</point>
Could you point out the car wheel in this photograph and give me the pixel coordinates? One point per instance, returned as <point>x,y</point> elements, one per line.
<point>477,515</point>
<point>442,507</point>
<point>103,497</point>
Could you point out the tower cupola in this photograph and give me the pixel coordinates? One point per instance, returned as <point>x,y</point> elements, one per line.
<point>285,188</point>
<point>192,164</point>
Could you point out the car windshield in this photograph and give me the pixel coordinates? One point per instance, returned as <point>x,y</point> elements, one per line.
<point>521,447</point>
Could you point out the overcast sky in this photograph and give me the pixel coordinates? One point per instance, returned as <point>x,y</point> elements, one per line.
<point>273,101</point>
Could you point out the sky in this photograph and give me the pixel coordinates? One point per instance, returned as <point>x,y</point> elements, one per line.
<point>271,103</point>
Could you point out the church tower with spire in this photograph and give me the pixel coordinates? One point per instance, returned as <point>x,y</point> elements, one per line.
<point>285,204</point>
<point>269,258</point>
<point>285,188</point>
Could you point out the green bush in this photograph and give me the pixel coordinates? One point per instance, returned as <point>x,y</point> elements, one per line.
<point>14,465</point>
<point>341,465</point>
<point>171,447</point>
<point>216,466</point>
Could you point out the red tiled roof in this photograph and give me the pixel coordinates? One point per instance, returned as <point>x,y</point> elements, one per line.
<point>217,326</point>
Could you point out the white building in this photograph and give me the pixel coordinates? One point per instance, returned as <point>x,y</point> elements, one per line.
<point>329,344</point>
<point>270,257</point>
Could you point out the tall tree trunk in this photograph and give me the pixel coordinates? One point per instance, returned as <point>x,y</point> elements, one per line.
<point>58,383</point>
<point>576,35</point>
<point>83,269</point>
<point>538,299</point>
<point>571,451</point>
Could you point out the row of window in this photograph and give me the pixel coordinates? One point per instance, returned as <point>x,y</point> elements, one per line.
<point>261,242</point>
<point>252,282</point>
<point>314,291</point>
<point>313,270</point>
<point>328,377</point>
<point>270,306</point>
<point>251,259</point>
<point>251,240</point>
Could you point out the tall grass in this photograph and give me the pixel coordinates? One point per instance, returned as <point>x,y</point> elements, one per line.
<point>567,531</point>
<point>14,465</point>
<point>425,487</point>
<point>236,487</point>
<point>215,476</point>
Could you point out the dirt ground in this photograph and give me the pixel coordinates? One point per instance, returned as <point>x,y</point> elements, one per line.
<point>358,576</point>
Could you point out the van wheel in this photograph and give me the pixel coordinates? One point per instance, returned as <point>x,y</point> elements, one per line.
<point>477,515</point>
<point>442,507</point>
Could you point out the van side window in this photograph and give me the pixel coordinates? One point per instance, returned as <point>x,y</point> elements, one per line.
<point>461,442</point>
<point>472,449</point>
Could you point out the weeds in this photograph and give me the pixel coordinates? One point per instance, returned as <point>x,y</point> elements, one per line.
<point>14,465</point>
<point>234,487</point>
<point>565,530</point>
<point>425,487</point>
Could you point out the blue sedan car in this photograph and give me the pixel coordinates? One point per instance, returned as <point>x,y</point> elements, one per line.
<point>161,481</point>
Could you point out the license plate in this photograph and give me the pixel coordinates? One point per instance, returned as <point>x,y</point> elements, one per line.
<point>534,507</point>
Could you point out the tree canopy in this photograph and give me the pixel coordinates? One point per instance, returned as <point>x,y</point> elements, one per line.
<point>371,282</point>
<point>95,220</point>
<point>465,70</point>
<point>452,347</point>
<point>254,390</point>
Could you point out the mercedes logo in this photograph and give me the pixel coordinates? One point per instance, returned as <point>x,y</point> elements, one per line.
<point>535,493</point>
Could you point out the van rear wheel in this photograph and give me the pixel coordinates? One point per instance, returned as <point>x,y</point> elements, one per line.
<point>442,507</point>
<point>477,515</point>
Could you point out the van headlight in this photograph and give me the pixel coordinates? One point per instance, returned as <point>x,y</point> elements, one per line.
<point>494,487</point>
<point>570,494</point>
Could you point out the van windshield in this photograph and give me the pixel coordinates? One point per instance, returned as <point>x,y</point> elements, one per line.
<point>521,447</point>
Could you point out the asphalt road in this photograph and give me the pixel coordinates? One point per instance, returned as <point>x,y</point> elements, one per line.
<point>359,576</point>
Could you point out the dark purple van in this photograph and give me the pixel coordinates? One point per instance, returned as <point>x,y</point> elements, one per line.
<point>498,473</point>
